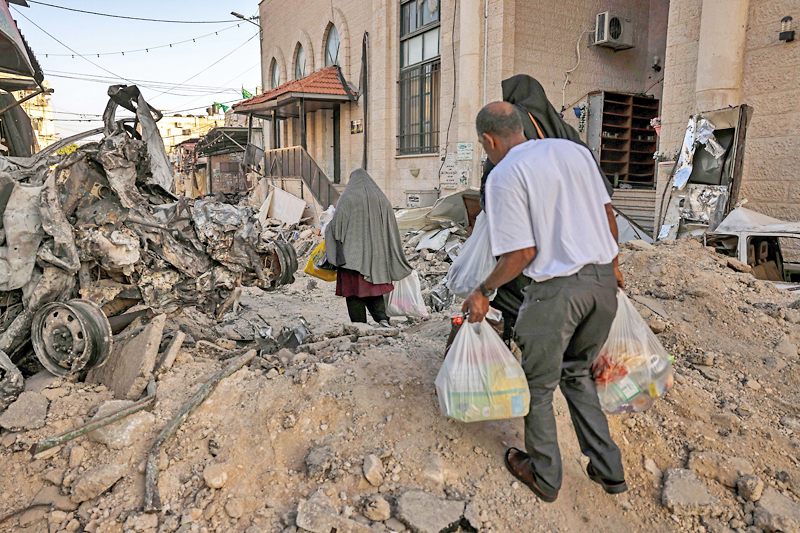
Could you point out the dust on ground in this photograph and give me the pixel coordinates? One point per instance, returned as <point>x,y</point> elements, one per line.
<point>298,425</point>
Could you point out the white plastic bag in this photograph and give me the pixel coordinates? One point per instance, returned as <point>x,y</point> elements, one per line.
<point>480,378</point>
<point>406,298</point>
<point>326,217</point>
<point>474,262</point>
<point>632,368</point>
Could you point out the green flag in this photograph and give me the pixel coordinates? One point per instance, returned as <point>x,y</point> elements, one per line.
<point>222,106</point>
<point>246,93</point>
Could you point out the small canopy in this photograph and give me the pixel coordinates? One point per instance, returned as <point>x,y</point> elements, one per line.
<point>324,89</point>
<point>223,141</point>
<point>742,220</point>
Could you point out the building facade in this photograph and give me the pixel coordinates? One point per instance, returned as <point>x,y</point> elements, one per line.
<point>41,114</point>
<point>420,70</point>
<point>176,129</point>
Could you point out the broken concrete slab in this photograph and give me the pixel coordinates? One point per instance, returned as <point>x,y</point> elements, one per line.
<point>167,359</point>
<point>124,432</point>
<point>750,487</point>
<point>39,381</point>
<point>651,304</point>
<point>51,495</point>
<point>424,512</point>
<point>727,470</point>
<point>638,244</point>
<point>317,519</point>
<point>130,367</point>
<point>28,412</point>
<point>685,495</point>
<point>775,512</point>
<point>96,481</point>
<point>373,470</point>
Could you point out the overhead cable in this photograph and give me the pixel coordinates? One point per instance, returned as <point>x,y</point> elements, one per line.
<point>132,18</point>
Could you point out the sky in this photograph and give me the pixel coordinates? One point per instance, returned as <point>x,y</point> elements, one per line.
<point>182,78</point>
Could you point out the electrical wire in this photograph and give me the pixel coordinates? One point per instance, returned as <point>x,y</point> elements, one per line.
<point>455,83</point>
<point>206,92</point>
<point>146,49</point>
<point>230,80</point>
<point>573,69</point>
<point>132,18</point>
<point>68,48</point>
<point>204,69</point>
<point>154,83</point>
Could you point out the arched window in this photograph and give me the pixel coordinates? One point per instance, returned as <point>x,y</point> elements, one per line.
<point>274,75</point>
<point>332,47</point>
<point>300,63</point>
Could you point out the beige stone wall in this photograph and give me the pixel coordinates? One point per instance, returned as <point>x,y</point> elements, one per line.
<point>536,37</point>
<point>771,85</point>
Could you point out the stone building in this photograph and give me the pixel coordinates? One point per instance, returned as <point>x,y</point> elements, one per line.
<point>175,129</point>
<point>40,111</point>
<point>414,73</point>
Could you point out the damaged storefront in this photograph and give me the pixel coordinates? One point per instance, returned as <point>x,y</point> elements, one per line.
<point>87,236</point>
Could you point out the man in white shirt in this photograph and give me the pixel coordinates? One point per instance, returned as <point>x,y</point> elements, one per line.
<point>550,217</point>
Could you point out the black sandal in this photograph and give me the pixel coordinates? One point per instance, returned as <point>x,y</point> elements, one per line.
<point>608,486</point>
<point>549,498</point>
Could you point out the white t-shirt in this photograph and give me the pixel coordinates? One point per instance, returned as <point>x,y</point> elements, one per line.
<point>549,194</point>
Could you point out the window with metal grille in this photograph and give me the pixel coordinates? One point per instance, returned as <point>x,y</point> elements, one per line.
<point>419,78</point>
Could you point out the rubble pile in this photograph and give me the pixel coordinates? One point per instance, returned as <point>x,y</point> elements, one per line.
<point>431,252</point>
<point>99,224</point>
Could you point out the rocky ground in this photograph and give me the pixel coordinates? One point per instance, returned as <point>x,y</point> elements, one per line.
<point>345,434</point>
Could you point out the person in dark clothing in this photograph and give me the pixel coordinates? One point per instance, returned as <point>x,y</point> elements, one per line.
<point>362,240</point>
<point>540,120</point>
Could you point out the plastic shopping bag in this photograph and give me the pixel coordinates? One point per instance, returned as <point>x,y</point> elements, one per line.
<point>313,266</point>
<point>474,262</point>
<point>406,298</point>
<point>326,217</point>
<point>632,368</point>
<point>480,379</point>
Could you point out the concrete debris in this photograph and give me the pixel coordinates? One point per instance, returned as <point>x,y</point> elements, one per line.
<point>722,468</point>
<point>122,433</point>
<point>373,470</point>
<point>777,513</point>
<point>685,495</point>
<point>130,366</point>
<point>28,412</point>
<point>96,481</point>
<point>750,487</point>
<point>318,519</point>
<point>376,508</point>
<point>424,512</point>
<point>215,476</point>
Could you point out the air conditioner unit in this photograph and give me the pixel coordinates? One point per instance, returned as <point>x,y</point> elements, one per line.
<point>613,31</point>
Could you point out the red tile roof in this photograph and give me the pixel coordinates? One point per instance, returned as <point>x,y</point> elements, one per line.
<point>325,81</point>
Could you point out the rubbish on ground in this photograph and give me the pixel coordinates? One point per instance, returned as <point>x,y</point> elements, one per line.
<point>434,240</point>
<point>406,298</point>
<point>110,418</point>
<point>480,378</point>
<point>283,206</point>
<point>152,502</point>
<point>453,207</point>
<point>474,262</point>
<point>632,368</point>
<point>293,337</point>
<point>71,337</point>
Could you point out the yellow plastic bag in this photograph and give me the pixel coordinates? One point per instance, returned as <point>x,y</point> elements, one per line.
<point>311,267</point>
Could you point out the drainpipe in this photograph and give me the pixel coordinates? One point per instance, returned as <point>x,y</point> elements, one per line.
<point>720,61</point>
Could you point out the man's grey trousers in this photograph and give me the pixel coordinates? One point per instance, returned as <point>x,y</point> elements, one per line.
<point>562,325</point>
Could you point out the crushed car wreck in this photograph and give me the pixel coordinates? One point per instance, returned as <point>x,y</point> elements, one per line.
<point>89,235</point>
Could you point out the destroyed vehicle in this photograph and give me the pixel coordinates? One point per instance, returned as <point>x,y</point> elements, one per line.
<point>771,247</point>
<point>98,231</point>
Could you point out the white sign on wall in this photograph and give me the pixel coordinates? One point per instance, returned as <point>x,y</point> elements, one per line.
<point>465,151</point>
<point>448,179</point>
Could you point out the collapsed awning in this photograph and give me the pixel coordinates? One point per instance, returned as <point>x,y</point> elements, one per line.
<point>222,141</point>
<point>324,89</point>
<point>742,220</point>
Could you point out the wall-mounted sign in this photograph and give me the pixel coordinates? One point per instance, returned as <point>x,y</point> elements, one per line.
<point>448,179</point>
<point>465,151</point>
<point>356,126</point>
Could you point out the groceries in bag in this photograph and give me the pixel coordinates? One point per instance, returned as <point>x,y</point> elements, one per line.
<point>632,368</point>
<point>406,298</point>
<point>474,262</point>
<point>480,378</point>
<point>316,262</point>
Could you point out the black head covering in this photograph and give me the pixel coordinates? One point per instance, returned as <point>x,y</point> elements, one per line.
<point>528,96</point>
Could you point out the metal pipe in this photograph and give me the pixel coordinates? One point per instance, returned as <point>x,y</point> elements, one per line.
<point>83,429</point>
<point>152,501</point>
<point>485,46</point>
<point>32,95</point>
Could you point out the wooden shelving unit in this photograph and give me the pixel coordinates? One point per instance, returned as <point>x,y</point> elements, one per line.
<point>621,137</point>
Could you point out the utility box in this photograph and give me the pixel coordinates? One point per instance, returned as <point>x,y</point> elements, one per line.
<point>421,198</point>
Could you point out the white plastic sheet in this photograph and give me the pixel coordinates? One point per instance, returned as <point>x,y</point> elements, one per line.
<point>632,368</point>
<point>474,262</point>
<point>406,298</point>
<point>480,378</point>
